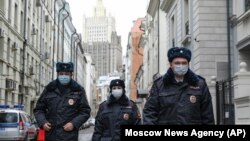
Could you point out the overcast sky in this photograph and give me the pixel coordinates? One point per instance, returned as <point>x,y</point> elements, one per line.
<point>124,11</point>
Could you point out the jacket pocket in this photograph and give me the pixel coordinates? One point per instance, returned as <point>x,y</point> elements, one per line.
<point>105,117</point>
<point>193,104</point>
<point>51,100</point>
<point>167,99</point>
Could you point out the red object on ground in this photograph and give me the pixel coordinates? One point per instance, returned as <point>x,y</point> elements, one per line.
<point>41,135</point>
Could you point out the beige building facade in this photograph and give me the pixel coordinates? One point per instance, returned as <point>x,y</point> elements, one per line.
<point>100,39</point>
<point>30,48</point>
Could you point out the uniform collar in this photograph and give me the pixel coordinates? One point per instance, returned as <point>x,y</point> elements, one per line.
<point>123,100</point>
<point>190,78</point>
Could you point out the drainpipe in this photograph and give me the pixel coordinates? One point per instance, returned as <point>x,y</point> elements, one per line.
<point>76,55</point>
<point>81,50</point>
<point>76,51</point>
<point>58,24</point>
<point>41,47</point>
<point>229,56</point>
<point>156,75</point>
<point>71,45</point>
<point>24,49</point>
<point>54,38</point>
<point>63,34</point>
<point>159,37</point>
<point>76,60</point>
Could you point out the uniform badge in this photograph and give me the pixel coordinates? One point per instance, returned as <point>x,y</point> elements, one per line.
<point>126,116</point>
<point>71,101</point>
<point>192,99</point>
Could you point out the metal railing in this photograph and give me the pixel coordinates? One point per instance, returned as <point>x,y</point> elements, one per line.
<point>224,103</point>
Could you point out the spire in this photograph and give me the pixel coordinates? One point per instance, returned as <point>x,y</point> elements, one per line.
<point>99,10</point>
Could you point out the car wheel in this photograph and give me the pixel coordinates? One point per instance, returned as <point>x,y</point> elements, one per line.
<point>26,138</point>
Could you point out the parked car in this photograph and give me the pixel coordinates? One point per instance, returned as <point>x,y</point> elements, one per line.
<point>92,121</point>
<point>15,124</point>
<point>85,125</point>
<point>37,128</point>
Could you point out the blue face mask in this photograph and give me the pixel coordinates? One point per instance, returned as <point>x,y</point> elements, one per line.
<point>117,93</point>
<point>180,69</point>
<point>64,79</point>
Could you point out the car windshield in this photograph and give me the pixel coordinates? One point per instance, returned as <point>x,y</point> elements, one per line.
<point>8,117</point>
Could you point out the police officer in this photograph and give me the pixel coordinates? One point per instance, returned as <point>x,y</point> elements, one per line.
<point>180,96</point>
<point>117,110</point>
<point>62,107</point>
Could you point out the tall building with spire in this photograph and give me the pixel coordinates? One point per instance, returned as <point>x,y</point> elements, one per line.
<point>101,41</point>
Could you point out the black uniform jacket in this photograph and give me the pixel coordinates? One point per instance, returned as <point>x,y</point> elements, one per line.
<point>111,115</point>
<point>187,102</point>
<point>59,105</point>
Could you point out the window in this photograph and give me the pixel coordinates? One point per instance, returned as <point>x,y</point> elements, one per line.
<point>16,16</point>
<point>22,23</point>
<point>28,28</point>
<point>8,50</point>
<point>21,59</point>
<point>172,31</point>
<point>247,4</point>
<point>8,117</point>
<point>15,58</point>
<point>10,10</point>
<point>186,16</point>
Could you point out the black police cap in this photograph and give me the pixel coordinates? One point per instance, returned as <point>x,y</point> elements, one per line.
<point>117,82</point>
<point>67,67</point>
<point>182,52</point>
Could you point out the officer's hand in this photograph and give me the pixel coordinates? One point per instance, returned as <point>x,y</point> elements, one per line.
<point>68,127</point>
<point>47,126</point>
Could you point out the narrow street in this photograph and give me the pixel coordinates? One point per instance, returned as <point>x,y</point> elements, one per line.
<point>86,134</point>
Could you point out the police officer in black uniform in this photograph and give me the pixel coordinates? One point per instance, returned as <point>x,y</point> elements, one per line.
<point>62,107</point>
<point>180,96</point>
<point>117,110</point>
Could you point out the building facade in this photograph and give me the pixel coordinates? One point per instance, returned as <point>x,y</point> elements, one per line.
<point>198,25</point>
<point>101,41</point>
<point>134,57</point>
<point>240,50</point>
<point>90,86</point>
<point>25,45</point>
<point>29,48</point>
<point>217,33</point>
